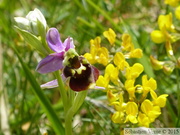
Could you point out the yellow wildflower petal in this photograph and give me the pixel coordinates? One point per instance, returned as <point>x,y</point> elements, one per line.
<point>127,42</point>
<point>131,111</point>
<point>146,106</point>
<point>120,61</point>
<point>129,83</point>
<point>149,84</point>
<point>165,21</point>
<point>102,56</point>
<point>134,71</point>
<point>102,81</point>
<point>161,100</point>
<point>110,35</point>
<point>112,72</point>
<point>151,111</point>
<point>136,53</point>
<point>129,86</point>
<point>132,119</point>
<point>90,58</point>
<point>153,94</point>
<point>154,113</point>
<point>131,108</point>
<point>111,97</point>
<point>96,42</point>
<point>177,12</point>
<point>173,3</point>
<point>157,36</point>
<point>118,117</point>
<point>143,120</point>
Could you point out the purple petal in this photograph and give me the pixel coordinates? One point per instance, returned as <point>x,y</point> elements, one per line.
<point>68,43</point>
<point>54,41</point>
<point>50,63</point>
<point>51,84</point>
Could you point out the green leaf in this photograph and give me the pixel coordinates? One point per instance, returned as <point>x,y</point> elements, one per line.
<point>32,40</point>
<point>47,107</point>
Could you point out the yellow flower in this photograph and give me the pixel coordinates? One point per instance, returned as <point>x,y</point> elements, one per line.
<point>112,72</point>
<point>134,71</point>
<point>159,101</point>
<point>165,21</point>
<point>102,56</point>
<point>156,64</point>
<point>102,81</point>
<point>127,42</point>
<point>97,53</point>
<point>132,112</point>
<point>118,117</point>
<point>111,97</point>
<point>148,85</point>
<point>157,36</point>
<point>173,3</point>
<point>128,47</point>
<point>136,53</point>
<point>110,35</point>
<point>119,61</point>
<point>119,105</point>
<point>177,12</point>
<point>152,112</point>
<point>143,120</point>
<point>129,86</point>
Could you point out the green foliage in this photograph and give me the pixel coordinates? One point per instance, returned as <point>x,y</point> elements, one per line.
<point>83,20</point>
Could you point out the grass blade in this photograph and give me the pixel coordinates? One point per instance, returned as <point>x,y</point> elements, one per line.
<point>51,114</point>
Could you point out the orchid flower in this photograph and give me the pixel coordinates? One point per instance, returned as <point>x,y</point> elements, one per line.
<point>76,70</point>
<point>53,62</point>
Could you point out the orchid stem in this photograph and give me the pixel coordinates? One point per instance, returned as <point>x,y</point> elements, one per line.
<point>76,104</point>
<point>62,90</point>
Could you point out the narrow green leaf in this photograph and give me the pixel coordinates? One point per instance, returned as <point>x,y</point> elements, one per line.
<point>32,40</point>
<point>47,107</point>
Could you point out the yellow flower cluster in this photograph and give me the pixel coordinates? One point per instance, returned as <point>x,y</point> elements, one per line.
<point>101,55</point>
<point>129,100</point>
<point>165,26</point>
<point>133,103</point>
<point>169,34</point>
<point>167,31</point>
<point>97,53</point>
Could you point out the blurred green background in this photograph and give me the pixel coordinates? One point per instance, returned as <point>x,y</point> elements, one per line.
<point>83,20</point>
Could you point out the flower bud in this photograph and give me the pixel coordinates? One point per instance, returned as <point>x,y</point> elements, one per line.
<point>168,67</point>
<point>157,65</point>
<point>22,22</point>
<point>37,21</point>
<point>157,36</point>
<point>34,23</point>
<point>169,51</point>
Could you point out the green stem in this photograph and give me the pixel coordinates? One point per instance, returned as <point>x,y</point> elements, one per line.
<point>178,96</point>
<point>63,91</point>
<point>78,101</point>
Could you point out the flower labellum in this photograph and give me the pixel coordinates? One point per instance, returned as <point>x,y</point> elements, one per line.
<point>81,74</point>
